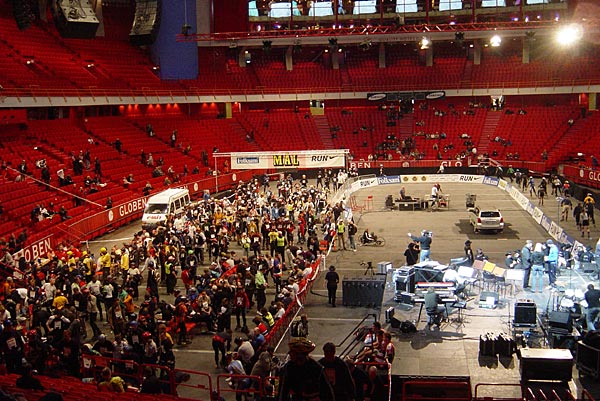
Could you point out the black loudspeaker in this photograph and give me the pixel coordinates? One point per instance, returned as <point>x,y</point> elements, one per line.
<point>561,320</point>
<point>145,23</point>
<point>76,19</point>
<point>525,313</point>
<point>395,323</point>
<point>363,291</point>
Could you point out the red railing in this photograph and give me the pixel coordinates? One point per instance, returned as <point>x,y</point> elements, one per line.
<point>477,396</point>
<point>582,175</point>
<point>418,390</point>
<point>147,95</point>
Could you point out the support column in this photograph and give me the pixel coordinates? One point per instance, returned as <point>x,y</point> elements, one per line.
<point>429,55</point>
<point>592,101</point>
<point>526,50</point>
<point>228,110</point>
<point>289,61</point>
<point>382,55</point>
<point>335,59</point>
<point>243,56</point>
<point>477,52</point>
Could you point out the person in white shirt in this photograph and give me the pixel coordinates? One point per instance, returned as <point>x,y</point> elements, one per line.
<point>49,289</point>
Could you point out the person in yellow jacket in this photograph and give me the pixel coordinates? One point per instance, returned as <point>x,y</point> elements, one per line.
<point>88,264</point>
<point>341,232</point>
<point>103,264</point>
<point>124,260</point>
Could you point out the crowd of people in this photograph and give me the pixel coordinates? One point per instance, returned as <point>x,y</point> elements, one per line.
<point>216,262</point>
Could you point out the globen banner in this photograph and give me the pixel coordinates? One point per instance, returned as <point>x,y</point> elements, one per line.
<point>283,160</point>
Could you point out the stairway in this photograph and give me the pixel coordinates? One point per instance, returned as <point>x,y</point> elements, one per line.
<point>322,124</point>
<point>239,130</point>
<point>575,138</point>
<point>465,81</point>
<point>406,124</point>
<point>345,79</point>
<point>488,132</point>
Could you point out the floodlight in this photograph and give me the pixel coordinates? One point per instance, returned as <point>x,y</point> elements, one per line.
<point>495,41</point>
<point>569,34</point>
<point>424,43</point>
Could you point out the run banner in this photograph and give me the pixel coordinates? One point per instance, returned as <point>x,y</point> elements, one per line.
<point>294,159</point>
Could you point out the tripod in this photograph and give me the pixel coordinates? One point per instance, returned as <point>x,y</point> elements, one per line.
<point>369,268</point>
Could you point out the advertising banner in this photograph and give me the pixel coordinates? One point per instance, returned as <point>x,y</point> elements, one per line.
<point>491,181</point>
<point>277,160</point>
<point>388,179</point>
<point>433,178</point>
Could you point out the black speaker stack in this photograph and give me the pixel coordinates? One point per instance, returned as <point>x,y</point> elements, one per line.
<point>145,22</point>
<point>497,345</point>
<point>363,291</point>
<point>76,20</point>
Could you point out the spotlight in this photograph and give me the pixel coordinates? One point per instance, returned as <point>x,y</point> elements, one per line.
<point>567,35</point>
<point>459,36</point>
<point>424,43</point>
<point>185,29</point>
<point>529,34</point>
<point>495,41</point>
<point>366,45</point>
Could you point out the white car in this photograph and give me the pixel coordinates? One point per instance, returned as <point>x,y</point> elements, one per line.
<point>486,219</point>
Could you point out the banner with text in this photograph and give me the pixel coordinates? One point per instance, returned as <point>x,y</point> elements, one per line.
<point>249,160</point>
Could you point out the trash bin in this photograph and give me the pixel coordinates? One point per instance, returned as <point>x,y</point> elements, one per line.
<point>470,200</point>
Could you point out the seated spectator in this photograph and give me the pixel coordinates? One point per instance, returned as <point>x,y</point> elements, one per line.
<point>27,381</point>
<point>111,383</point>
<point>147,188</point>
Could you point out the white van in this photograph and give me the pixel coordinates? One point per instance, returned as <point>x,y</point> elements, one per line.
<point>169,202</point>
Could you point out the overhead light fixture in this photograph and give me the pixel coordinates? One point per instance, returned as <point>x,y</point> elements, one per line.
<point>365,45</point>
<point>297,46</point>
<point>495,41</point>
<point>267,46</point>
<point>569,34</point>
<point>424,43</point>
<point>459,36</point>
<point>333,44</point>
<point>529,35</point>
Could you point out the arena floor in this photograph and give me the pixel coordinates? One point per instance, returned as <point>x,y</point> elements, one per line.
<point>453,351</point>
